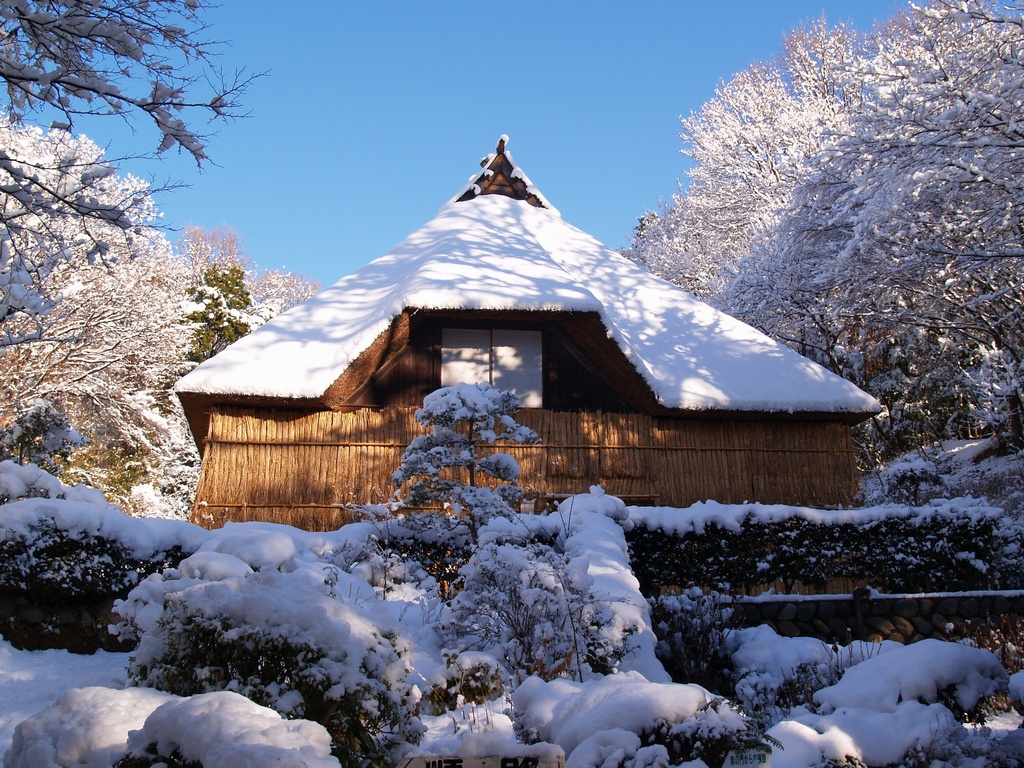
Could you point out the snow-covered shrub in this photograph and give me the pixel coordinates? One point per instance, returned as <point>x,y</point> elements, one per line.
<point>962,678</point>
<point>468,678</point>
<point>691,629</point>
<point>30,482</point>
<point>911,480</point>
<point>225,730</point>
<point>533,608</point>
<point>448,467</point>
<point>425,548</point>
<point>99,718</point>
<point>40,435</point>
<point>772,675</point>
<point>55,559</point>
<point>676,722</point>
<point>136,728</point>
<point>710,735</point>
<point>280,640</point>
<point>1003,636</point>
<point>980,469</point>
<point>958,544</point>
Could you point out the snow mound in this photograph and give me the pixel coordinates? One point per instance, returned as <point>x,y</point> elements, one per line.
<point>917,672</point>
<point>225,730</point>
<point>85,728</point>
<point>568,713</point>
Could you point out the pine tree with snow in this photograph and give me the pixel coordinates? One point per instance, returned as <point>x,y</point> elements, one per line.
<point>41,435</point>
<point>222,312</point>
<point>445,468</point>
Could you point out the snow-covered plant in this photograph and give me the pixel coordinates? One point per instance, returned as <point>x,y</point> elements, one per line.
<point>55,564</point>
<point>221,311</point>
<point>710,735</point>
<point>691,628</point>
<point>28,482</point>
<point>468,678</point>
<point>277,290</point>
<point>603,722</point>
<point>425,548</point>
<point>533,608</point>
<point>1002,635</point>
<point>40,435</point>
<point>450,468</point>
<point>960,544</point>
<point>279,640</point>
<point>907,481</point>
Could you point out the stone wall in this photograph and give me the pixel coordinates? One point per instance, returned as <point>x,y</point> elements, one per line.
<point>872,616</point>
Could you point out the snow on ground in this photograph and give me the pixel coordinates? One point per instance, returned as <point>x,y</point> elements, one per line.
<point>32,680</point>
<point>882,702</point>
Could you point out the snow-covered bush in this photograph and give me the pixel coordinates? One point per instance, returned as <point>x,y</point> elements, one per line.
<point>869,704</point>
<point>30,482</point>
<point>773,675</point>
<point>225,730</point>
<point>445,468</point>
<point>53,565</point>
<point>980,469</point>
<point>674,722</point>
<point>468,678</point>
<point>958,544</point>
<point>691,629</point>
<point>533,608</point>
<point>714,731</point>
<point>137,728</point>
<point>282,641</point>
<point>40,435</point>
<point>909,480</point>
<point>100,719</point>
<point>64,550</point>
<point>425,548</point>
<point>962,678</point>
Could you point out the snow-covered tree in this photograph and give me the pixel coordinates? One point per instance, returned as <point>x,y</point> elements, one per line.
<point>41,435</point>
<point>749,147</point>
<point>35,239</point>
<point>136,59</point>
<point>859,200</point>
<point>909,227</point>
<point>221,311</point>
<point>229,296</point>
<point>277,290</point>
<point>101,338</point>
<point>450,467</point>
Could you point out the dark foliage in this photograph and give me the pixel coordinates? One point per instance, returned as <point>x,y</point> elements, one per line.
<point>956,551</point>
<point>54,565</point>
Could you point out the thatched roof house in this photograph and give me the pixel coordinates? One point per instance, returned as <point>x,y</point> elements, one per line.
<point>630,382</point>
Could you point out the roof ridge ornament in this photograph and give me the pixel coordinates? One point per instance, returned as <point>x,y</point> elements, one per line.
<point>501,176</point>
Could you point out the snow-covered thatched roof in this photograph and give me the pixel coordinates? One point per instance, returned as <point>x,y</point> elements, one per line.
<point>491,251</point>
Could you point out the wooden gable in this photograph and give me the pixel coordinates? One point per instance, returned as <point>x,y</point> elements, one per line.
<point>501,176</point>
<point>583,369</point>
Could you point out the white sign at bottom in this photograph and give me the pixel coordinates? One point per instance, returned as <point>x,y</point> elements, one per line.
<point>748,758</point>
<point>508,761</point>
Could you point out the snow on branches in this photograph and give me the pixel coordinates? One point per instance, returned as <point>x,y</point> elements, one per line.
<point>859,199</point>
<point>443,467</point>
<point>116,57</point>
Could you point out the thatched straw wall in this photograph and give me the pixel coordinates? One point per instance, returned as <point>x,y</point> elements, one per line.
<point>305,468</point>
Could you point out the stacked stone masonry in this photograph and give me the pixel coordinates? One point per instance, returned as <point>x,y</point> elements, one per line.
<point>875,617</point>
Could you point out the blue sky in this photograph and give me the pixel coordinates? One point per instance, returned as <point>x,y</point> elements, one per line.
<point>373,114</point>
